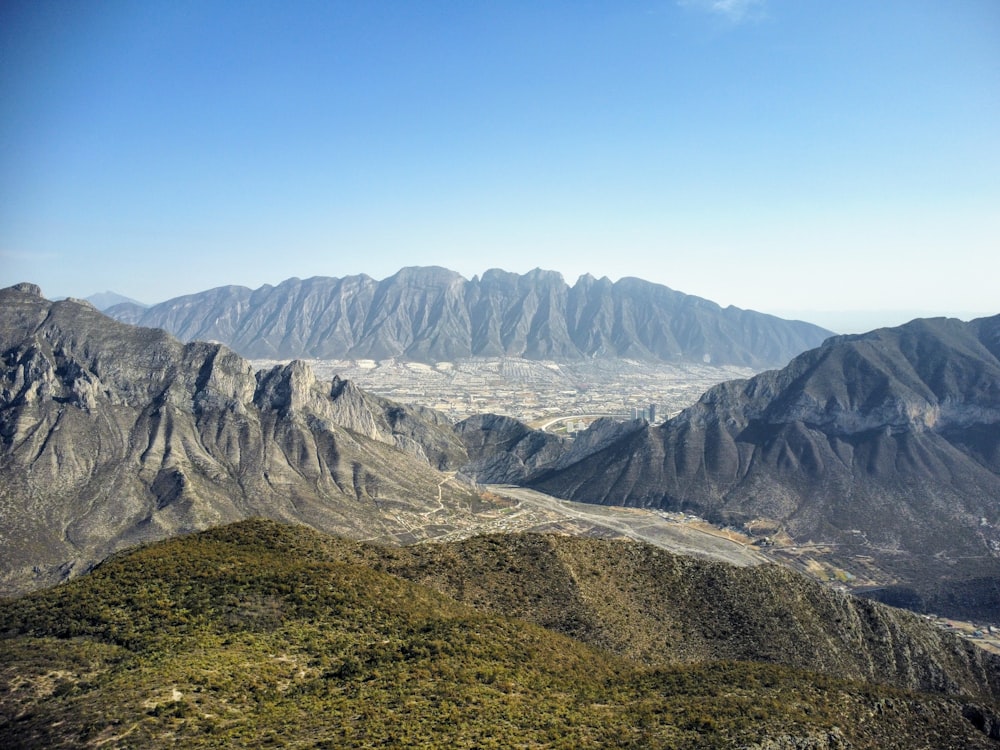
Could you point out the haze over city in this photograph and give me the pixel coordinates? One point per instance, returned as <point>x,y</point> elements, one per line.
<point>799,158</point>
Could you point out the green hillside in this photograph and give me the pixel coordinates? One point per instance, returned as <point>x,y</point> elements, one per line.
<point>255,635</point>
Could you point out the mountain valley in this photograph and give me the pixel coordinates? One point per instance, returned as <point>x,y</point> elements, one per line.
<point>114,435</point>
<point>870,462</point>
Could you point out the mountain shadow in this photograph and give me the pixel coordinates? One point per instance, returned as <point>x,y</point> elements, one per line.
<point>883,446</point>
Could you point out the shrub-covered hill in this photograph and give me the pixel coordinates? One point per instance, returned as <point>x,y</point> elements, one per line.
<point>256,635</point>
<point>645,603</point>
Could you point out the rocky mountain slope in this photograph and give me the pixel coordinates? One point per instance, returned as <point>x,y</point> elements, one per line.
<point>503,450</point>
<point>885,445</point>
<point>258,634</point>
<point>432,314</point>
<point>112,434</point>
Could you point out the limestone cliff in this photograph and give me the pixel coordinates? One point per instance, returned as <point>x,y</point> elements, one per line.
<point>432,314</point>
<point>112,434</point>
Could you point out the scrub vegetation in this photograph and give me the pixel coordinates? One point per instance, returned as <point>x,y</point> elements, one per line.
<point>254,634</point>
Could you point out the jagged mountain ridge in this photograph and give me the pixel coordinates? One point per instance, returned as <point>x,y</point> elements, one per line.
<point>112,434</point>
<point>883,443</point>
<point>432,314</point>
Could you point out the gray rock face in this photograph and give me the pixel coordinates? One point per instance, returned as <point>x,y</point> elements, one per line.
<point>505,451</point>
<point>112,435</point>
<point>432,314</point>
<point>886,443</point>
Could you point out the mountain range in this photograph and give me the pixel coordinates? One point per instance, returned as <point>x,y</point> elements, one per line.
<point>104,300</point>
<point>430,314</point>
<point>111,435</point>
<point>879,450</point>
<point>879,453</point>
<point>883,445</point>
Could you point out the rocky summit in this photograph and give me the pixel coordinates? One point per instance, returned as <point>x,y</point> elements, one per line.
<point>883,446</point>
<point>112,435</point>
<point>430,314</point>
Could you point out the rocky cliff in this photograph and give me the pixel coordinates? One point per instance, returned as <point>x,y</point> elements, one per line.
<point>112,434</point>
<point>432,314</point>
<point>883,444</point>
<point>502,450</point>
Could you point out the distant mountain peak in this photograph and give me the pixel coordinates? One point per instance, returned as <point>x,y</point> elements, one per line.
<point>25,287</point>
<point>431,314</point>
<point>105,300</point>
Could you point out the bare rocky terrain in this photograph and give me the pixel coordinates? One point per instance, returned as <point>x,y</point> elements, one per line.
<point>112,435</point>
<point>884,447</point>
<point>430,314</point>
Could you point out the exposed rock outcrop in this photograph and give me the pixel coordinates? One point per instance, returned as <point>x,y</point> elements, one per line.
<point>503,450</point>
<point>112,435</point>
<point>432,314</point>
<point>884,444</point>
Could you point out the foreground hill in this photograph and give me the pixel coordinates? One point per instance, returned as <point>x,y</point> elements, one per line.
<point>257,634</point>
<point>884,445</point>
<point>112,434</point>
<point>659,608</point>
<point>432,314</point>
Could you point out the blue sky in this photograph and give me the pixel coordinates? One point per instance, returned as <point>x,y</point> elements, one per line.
<point>789,156</point>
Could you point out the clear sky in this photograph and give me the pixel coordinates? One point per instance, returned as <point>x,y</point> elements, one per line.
<point>789,156</point>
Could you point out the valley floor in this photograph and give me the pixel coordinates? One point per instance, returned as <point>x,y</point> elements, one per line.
<point>532,390</point>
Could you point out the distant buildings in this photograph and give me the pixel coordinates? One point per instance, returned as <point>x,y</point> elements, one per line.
<point>534,391</point>
<point>648,413</point>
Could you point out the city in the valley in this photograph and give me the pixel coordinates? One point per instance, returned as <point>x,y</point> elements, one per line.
<point>560,396</point>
